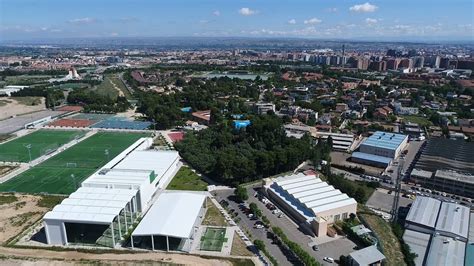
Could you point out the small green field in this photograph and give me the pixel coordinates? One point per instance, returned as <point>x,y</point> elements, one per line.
<point>186,179</point>
<point>112,86</point>
<point>41,141</point>
<point>213,239</point>
<point>422,121</point>
<point>53,176</point>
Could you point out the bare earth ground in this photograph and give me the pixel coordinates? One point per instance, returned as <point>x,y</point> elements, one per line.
<point>126,259</point>
<point>11,107</point>
<point>15,217</point>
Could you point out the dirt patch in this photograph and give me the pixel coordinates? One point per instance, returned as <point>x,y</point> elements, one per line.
<point>18,215</point>
<point>5,169</point>
<point>239,248</point>
<point>13,106</point>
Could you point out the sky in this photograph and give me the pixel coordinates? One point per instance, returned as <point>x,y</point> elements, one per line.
<point>325,19</point>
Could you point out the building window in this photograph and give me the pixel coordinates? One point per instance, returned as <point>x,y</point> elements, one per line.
<point>337,217</point>
<point>344,216</point>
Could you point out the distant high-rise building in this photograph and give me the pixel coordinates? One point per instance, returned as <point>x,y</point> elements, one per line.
<point>444,62</point>
<point>466,64</point>
<point>362,63</point>
<point>393,63</point>
<point>418,61</point>
<point>391,52</point>
<point>379,66</point>
<point>406,63</point>
<point>412,53</point>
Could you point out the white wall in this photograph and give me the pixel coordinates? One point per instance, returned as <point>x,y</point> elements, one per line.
<point>55,232</point>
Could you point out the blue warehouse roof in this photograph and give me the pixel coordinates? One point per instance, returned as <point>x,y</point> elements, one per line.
<point>371,157</point>
<point>385,140</point>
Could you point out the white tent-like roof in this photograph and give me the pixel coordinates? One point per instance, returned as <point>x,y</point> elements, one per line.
<point>92,205</point>
<point>173,214</point>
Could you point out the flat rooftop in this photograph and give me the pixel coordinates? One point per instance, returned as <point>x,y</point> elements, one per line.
<point>367,256</point>
<point>418,243</point>
<point>424,211</point>
<point>173,214</point>
<point>445,251</point>
<point>447,154</point>
<point>453,218</point>
<point>371,157</point>
<point>385,140</point>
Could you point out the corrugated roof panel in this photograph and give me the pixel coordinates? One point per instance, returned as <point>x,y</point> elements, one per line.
<point>310,187</point>
<point>324,201</point>
<point>337,204</point>
<point>317,196</point>
<point>313,191</point>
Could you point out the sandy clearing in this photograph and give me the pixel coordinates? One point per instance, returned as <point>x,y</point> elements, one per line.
<point>111,257</point>
<point>13,107</point>
<point>19,215</point>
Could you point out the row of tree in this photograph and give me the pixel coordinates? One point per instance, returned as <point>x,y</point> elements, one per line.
<point>94,102</point>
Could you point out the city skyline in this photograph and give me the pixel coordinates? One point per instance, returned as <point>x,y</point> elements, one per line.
<point>358,20</point>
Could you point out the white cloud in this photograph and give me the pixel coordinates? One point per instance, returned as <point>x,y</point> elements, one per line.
<point>312,21</point>
<point>364,8</point>
<point>292,21</point>
<point>82,21</point>
<point>216,13</point>
<point>371,21</point>
<point>245,11</point>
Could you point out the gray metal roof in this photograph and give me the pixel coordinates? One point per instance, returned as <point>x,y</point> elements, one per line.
<point>418,243</point>
<point>367,256</point>
<point>453,218</point>
<point>446,251</point>
<point>424,211</point>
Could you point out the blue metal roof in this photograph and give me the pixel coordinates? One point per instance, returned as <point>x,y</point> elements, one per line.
<point>371,157</point>
<point>385,140</point>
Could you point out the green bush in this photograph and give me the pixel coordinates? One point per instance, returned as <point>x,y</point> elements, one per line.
<point>304,256</point>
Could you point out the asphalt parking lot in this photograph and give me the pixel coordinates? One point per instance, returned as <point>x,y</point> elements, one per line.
<point>383,201</point>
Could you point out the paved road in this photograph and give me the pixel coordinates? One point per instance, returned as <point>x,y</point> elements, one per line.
<point>247,225</point>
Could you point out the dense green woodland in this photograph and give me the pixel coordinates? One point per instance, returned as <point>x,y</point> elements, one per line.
<point>261,150</point>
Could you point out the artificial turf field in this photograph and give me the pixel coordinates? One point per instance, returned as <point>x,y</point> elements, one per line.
<point>53,176</point>
<point>213,239</point>
<point>41,141</point>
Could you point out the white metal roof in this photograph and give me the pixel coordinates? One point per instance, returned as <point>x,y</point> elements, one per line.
<point>120,176</point>
<point>424,211</point>
<point>446,251</point>
<point>453,218</point>
<point>334,205</point>
<point>87,206</point>
<point>418,243</point>
<point>173,214</point>
<point>310,193</point>
<point>158,161</point>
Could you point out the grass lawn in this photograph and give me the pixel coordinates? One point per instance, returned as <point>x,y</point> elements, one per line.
<point>53,176</point>
<point>389,242</point>
<point>422,121</point>
<point>112,86</point>
<point>213,216</point>
<point>186,179</point>
<point>41,141</point>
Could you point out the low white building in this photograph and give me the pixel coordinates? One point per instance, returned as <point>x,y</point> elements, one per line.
<point>8,90</point>
<point>104,208</point>
<point>171,222</point>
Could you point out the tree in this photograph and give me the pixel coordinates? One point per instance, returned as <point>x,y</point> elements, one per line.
<point>241,193</point>
<point>259,244</point>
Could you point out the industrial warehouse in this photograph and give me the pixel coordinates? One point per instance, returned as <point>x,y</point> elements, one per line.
<point>380,149</point>
<point>310,201</point>
<point>438,231</point>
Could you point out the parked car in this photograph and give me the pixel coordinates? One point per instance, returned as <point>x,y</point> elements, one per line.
<point>328,259</point>
<point>315,248</point>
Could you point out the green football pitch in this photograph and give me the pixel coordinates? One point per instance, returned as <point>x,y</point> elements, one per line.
<point>53,176</point>
<point>39,142</point>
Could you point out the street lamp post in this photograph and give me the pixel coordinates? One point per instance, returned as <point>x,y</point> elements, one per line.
<point>28,146</point>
